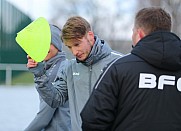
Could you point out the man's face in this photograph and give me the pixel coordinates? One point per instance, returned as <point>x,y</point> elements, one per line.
<point>82,47</point>
<point>51,53</point>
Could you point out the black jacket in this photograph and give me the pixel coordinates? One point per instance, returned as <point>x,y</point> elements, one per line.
<point>141,91</point>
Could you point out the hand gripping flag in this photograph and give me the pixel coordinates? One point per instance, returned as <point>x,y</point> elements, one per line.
<point>35,39</point>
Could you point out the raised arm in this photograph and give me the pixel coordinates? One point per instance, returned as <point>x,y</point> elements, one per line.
<point>54,94</point>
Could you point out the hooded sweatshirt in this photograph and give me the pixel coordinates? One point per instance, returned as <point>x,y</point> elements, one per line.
<point>48,118</point>
<point>75,82</point>
<point>141,91</point>
<point>51,119</point>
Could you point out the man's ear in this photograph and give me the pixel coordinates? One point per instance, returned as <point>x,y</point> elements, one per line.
<point>90,37</point>
<point>141,33</point>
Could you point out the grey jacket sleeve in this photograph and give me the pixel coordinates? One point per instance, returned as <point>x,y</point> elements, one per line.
<point>54,94</point>
<point>42,118</point>
<point>39,70</point>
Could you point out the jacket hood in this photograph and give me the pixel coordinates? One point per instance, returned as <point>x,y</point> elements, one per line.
<point>100,50</point>
<point>160,49</point>
<point>60,56</point>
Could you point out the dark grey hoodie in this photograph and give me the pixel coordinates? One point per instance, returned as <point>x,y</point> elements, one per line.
<point>51,119</point>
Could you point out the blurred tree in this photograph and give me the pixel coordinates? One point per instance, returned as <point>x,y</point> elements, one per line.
<point>173,6</point>
<point>108,21</point>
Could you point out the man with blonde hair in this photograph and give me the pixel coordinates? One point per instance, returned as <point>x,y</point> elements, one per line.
<point>76,81</point>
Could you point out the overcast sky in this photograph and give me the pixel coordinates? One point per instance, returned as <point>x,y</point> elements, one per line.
<point>33,8</point>
<point>43,8</point>
<point>37,8</point>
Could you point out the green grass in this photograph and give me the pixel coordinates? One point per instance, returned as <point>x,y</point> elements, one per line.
<point>23,78</point>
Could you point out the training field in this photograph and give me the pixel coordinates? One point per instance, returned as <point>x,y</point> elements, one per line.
<point>18,106</point>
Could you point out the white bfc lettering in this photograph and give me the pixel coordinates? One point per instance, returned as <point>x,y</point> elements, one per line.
<point>165,80</point>
<point>149,81</point>
<point>179,84</point>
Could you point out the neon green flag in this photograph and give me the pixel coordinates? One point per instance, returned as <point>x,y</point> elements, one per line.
<point>35,39</point>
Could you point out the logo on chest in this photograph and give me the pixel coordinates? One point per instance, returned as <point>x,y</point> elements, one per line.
<point>75,74</point>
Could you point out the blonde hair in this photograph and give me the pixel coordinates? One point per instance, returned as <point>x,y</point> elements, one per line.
<point>75,28</point>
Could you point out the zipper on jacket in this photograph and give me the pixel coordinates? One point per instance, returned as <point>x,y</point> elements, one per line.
<point>90,79</point>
